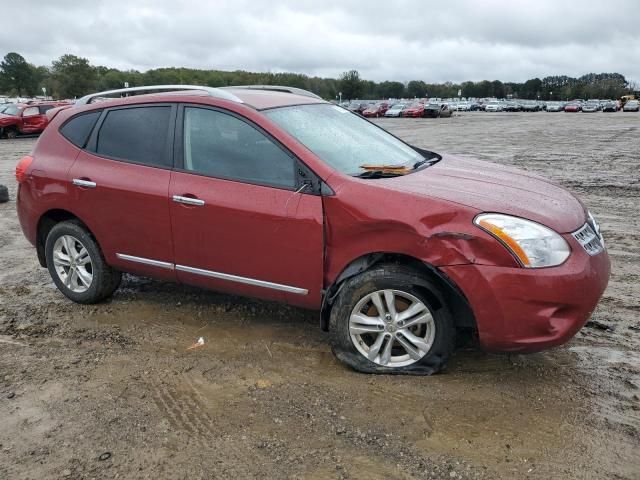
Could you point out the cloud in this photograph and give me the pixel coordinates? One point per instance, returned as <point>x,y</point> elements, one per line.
<point>401,40</point>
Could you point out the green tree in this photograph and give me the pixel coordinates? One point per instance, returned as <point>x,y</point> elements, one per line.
<point>16,75</point>
<point>73,76</point>
<point>390,90</point>
<point>351,85</point>
<point>417,88</point>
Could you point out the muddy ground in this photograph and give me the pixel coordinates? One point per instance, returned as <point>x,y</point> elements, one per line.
<point>111,391</point>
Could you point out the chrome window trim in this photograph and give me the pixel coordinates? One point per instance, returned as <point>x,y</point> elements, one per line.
<point>212,274</point>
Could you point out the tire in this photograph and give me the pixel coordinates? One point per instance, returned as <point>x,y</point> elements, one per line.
<point>94,280</point>
<point>10,133</point>
<point>354,312</point>
<point>4,194</point>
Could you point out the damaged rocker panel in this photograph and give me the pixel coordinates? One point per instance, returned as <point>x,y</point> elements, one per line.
<point>212,274</point>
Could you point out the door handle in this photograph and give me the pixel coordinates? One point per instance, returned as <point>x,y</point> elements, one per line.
<point>188,200</point>
<point>84,183</point>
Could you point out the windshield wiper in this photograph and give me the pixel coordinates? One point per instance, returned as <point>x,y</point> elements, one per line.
<point>428,161</point>
<point>378,174</point>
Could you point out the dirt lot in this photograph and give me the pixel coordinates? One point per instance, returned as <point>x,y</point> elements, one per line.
<point>111,391</point>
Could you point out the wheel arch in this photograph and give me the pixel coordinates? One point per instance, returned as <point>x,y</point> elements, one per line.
<point>452,295</point>
<point>46,222</point>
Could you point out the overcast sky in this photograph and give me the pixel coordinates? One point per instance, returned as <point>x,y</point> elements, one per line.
<point>384,39</point>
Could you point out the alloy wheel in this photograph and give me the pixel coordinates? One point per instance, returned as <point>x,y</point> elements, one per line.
<point>392,328</point>
<point>72,263</point>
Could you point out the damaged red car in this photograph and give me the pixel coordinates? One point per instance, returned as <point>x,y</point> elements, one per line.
<point>25,118</point>
<point>271,192</point>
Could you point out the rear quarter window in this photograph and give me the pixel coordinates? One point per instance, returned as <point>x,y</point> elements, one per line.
<point>136,134</point>
<point>78,128</point>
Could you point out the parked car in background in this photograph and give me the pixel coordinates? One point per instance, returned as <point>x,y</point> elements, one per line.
<point>573,107</point>
<point>530,106</point>
<point>358,106</point>
<point>462,107</point>
<point>494,107</point>
<point>610,106</point>
<point>631,106</point>
<point>454,247</point>
<point>555,107</point>
<point>395,110</point>
<point>445,111</point>
<point>591,106</point>
<point>415,110</point>
<point>25,118</point>
<point>436,109</point>
<point>512,107</point>
<point>376,109</point>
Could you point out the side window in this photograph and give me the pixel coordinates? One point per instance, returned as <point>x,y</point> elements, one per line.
<point>77,129</point>
<point>44,108</point>
<point>136,134</point>
<point>30,112</point>
<point>220,145</point>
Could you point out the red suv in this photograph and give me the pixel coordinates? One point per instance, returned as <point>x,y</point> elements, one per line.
<point>415,110</point>
<point>25,118</point>
<point>272,192</point>
<point>376,110</point>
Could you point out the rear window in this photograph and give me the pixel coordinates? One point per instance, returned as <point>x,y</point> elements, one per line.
<point>136,134</point>
<point>77,129</point>
<point>44,108</point>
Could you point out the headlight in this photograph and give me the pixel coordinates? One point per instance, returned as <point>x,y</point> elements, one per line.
<point>532,244</point>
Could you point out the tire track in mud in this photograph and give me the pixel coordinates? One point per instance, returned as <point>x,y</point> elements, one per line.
<point>184,408</point>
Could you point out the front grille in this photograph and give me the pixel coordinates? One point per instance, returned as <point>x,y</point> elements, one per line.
<point>591,241</point>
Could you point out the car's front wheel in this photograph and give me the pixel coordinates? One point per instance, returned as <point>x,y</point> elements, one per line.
<point>77,265</point>
<point>391,320</point>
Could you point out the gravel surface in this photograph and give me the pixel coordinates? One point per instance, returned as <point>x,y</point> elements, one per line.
<point>111,390</point>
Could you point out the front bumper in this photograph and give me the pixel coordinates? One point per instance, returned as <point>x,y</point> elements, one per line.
<point>528,310</point>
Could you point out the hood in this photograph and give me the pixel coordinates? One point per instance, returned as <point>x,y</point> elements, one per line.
<point>489,187</point>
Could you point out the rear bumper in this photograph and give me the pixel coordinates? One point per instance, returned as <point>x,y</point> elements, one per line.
<point>25,215</point>
<point>528,310</point>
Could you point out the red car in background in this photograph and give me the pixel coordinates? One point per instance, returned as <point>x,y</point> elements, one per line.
<point>25,118</point>
<point>377,110</point>
<point>573,107</point>
<point>415,110</point>
<point>272,192</point>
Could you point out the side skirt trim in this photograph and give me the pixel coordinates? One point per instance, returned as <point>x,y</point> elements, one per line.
<point>212,274</point>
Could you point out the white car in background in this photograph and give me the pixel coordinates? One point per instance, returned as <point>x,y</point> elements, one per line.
<point>494,107</point>
<point>463,107</point>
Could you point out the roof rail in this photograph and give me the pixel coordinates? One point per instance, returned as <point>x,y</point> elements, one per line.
<point>213,92</point>
<point>278,88</point>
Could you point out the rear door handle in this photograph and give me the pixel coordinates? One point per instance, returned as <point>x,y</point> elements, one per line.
<point>84,183</point>
<point>188,200</point>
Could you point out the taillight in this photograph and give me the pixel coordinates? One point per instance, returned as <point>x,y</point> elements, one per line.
<point>21,168</point>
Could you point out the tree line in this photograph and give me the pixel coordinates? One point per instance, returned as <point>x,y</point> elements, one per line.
<point>71,76</point>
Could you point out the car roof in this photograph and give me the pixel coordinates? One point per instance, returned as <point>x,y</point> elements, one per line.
<point>263,99</point>
<point>258,97</point>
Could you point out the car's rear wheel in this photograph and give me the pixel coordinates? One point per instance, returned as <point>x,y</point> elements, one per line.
<point>390,320</point>
<point>77,265</point>
<point>10,132</point>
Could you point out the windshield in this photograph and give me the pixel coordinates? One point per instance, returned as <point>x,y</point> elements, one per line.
<point>343,140</point>
<point>397,106</point>
<point>11,110</point>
